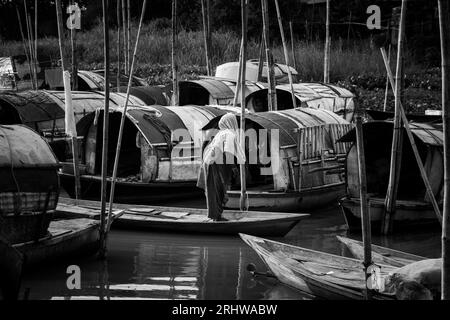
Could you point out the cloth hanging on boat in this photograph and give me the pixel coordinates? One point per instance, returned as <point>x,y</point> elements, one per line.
<point>54,78</point>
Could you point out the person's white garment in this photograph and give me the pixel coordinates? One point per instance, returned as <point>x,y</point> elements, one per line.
<point>225,142</point>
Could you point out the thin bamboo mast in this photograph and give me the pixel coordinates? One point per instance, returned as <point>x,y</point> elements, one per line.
<point>122,120</point>
<point>175,97</point>
<point>444,26</point>
<point>35,39</point>
<point>365,217</point>
<point>272,93</point>
<point>238,80</point>
<point>64,68</point>
<point>103,226</point>
<point>118,45</point>
<point>24,42</point>
<point>326,62</point>
<point>30,44</point>
<point>286,55</point>
<point>129,34</point>
<point>73,41</point>
<point>387,79</point>
<point>412,142</point>
<point>206,35</point>
<point>243,200</point>
<point>397,140</point>
<point>294,60</point>
<point>125,41</point>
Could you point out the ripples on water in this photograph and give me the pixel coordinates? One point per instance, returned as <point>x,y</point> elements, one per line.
<point>149,265</point>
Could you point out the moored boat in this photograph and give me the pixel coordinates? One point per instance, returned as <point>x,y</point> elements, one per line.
<point>302,169</point>
<point>380,254</point>
<point>321,274</point>
<point>190,220</point>
<point>413,207</point>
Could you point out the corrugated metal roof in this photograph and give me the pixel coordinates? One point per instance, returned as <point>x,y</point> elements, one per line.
<point>22,147</point>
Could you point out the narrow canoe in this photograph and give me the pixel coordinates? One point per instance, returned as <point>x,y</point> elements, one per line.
<point>66,237</point>
<point>381,255</point>
<point>192,220</point>
<point>321,274</point>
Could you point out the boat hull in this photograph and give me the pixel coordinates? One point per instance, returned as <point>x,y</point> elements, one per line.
<point>407,214</point>
<point>288,201</point>
<point>193,220</point>
<point>131,192</point>
<point>70,238</point>
<point>287,265</point>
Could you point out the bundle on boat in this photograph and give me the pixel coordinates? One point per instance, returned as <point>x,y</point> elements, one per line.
<point>298,162</point>
<point>413,206</point>
<point>29,186</point>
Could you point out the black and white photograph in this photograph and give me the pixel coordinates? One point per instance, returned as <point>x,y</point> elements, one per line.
<point>261,154</point>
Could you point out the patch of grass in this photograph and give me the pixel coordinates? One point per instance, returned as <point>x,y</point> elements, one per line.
<point>357,64</point>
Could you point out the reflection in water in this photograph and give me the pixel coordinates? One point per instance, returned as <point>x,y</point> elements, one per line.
<point>146,265</point>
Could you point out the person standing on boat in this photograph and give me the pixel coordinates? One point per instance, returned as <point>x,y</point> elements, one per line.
<point>219,158</point>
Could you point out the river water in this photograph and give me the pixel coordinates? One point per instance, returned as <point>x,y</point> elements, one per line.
<point>150,265</point>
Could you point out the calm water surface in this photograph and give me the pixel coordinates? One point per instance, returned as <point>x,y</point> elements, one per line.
<point>150,265</point>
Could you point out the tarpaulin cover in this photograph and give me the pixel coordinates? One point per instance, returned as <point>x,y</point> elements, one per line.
<point>22,147</point>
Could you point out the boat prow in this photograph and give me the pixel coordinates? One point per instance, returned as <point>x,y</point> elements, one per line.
<point>321,274</point>
<point>381,255</point>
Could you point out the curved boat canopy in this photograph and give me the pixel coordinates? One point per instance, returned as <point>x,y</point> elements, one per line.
<point>149,95</point>
<point>378,143</point>
<point>44,110</point>
<point>28,169</point>
<point>229,70</point>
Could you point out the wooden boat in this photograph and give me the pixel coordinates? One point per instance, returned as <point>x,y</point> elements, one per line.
<point>320,274</point>
<point>304,169</point>
<point>189,220</point>
<point>153,166</point>
<point>381,255</point>
<point>413,208</point>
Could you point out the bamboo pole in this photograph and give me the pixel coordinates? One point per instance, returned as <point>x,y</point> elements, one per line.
<point>205,18</point>
<point>64,68</point>
<point>238,80</point>
<point>294,60</point>
<point>286,55</point>
<point>243,205</point>
<point>326,63</point>
<point>125,41</point>
<point>30,44</point>
<point>118,45</point>
<point>412,142</point>
<point>397,140</point>
<point>73,42</point>
<point>272,93</point>
<point>209,33</point>
<point>35,40</point>
<point>24,43</point>
<point>175,95</point>
<point>103,221</point>
<point>122,120</point>
<point>386,91</point>
<point>444,27</point>
<point>261,58</point>
<point>365,217</point>
<point>129,34</point>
